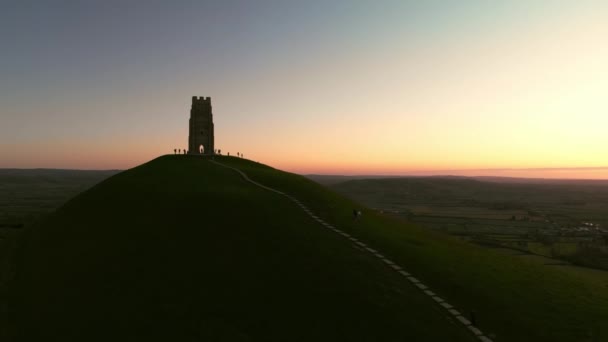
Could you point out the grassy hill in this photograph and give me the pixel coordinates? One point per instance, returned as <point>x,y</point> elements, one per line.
<point>183,249</point>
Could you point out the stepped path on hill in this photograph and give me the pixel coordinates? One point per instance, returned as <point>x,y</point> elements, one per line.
<point>364,247</point>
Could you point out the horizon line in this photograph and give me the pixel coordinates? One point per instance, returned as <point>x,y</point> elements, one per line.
<point>418,173</point>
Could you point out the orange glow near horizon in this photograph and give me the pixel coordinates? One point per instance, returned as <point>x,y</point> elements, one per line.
<point>126,156</point>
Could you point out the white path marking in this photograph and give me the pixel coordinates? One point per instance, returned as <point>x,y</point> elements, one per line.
<point>396,267</point>
<point>421,286</point>
<point>465,322</point>
<point>447,305</point>
<point>475,331</point>
<point>413,280</point>
<point>438,299</point>
<point>454,312</point>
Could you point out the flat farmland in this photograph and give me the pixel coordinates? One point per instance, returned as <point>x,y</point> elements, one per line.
<point>562,219</point>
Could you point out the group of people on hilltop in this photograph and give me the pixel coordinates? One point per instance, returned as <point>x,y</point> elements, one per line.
<point>238,154</point>
<point>217,151</point>
<point>179,151</point>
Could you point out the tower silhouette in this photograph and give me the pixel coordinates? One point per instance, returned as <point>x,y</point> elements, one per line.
<point>200,138</point>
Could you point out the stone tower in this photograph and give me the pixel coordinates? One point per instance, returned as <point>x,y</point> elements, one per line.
<point>200,139</point>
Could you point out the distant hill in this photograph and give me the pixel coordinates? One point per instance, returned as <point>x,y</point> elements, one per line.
<point>603,182</point>
<point>183,249</point>
<point>43,172</point>
<point>335,179</point>
<point>27,194</point>
<point>456,190</point>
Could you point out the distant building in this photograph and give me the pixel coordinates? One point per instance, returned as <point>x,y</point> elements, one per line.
<point>200,138</point>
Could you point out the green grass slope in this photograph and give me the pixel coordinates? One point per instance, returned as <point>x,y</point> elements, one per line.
<point>181,249</point>
<point>515,300</point>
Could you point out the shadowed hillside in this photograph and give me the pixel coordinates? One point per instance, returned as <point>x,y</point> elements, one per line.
<point>26,196</point>
<point>183,249</point>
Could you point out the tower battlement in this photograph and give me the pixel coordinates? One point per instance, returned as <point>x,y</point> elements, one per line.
<point>197,99</point>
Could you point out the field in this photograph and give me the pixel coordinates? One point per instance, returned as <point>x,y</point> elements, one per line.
<point>29,194</point>
<point>567,220</point>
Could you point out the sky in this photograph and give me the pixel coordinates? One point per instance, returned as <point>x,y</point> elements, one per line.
<point>330,87</point>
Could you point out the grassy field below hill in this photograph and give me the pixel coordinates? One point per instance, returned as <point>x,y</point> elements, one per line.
<point>563,219</point>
